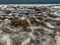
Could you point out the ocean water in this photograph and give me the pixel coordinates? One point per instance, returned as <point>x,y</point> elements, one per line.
<point>29,1</point>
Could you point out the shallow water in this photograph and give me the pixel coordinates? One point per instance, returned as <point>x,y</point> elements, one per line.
<point>29,25</point>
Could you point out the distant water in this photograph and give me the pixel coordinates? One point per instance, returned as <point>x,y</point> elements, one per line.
<point>29,1</point>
